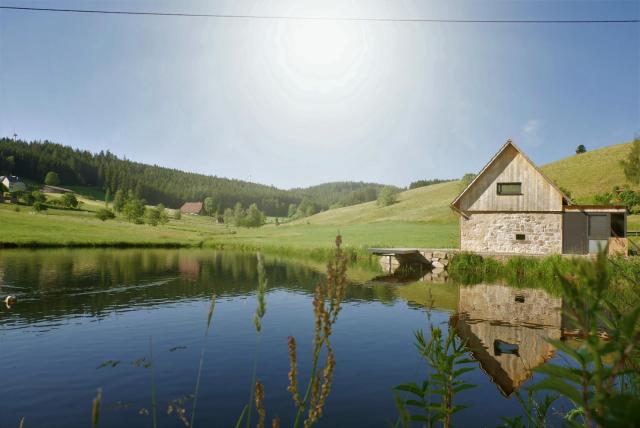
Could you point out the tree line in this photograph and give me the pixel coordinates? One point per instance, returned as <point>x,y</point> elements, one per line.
<point>167,186</point>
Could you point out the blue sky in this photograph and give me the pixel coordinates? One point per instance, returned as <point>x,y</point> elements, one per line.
<point>296,103</point>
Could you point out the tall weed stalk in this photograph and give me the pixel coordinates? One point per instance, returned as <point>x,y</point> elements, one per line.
<point>326,307</point>
<point>212,306</point>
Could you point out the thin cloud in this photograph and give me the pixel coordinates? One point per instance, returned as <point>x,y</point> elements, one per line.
<point>531,132</point>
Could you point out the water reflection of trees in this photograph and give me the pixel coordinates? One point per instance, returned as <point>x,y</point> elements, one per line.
<point>71,282</point>
<point>65,283</point>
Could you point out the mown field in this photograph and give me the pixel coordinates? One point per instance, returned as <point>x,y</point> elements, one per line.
<point>420,218</point>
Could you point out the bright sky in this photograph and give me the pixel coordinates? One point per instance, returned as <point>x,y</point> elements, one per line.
<point>296,103</point>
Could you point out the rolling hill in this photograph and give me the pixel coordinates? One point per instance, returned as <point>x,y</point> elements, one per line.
<point>590,173</point>
<point>584,175</point>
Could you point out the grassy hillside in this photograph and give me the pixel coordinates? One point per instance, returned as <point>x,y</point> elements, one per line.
<point>428,204</point>
<point>590,173</point>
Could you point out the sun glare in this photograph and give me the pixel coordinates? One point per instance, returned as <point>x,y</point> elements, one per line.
<point>320,43</point>
<point>323,47</point>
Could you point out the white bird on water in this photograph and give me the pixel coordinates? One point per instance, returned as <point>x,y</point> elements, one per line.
<point>10,300</point>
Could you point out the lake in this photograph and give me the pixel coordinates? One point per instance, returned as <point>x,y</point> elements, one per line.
<point>89,319</point>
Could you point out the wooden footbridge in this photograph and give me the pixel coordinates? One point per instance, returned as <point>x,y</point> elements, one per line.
<point>402,255</point>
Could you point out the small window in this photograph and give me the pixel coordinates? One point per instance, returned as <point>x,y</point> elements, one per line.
<point>501,347</point>
<point>519,298</point>
<point>509,189</point>
<point>520,237</point>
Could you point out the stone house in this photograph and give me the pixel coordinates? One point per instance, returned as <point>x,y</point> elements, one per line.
<point>511,207</point>
<point>13,183</point>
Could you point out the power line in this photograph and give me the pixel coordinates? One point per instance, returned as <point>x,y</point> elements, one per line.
<point>325,18</point>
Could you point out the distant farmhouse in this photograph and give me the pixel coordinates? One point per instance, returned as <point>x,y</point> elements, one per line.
<point>512,207</point>
<point>193,208</point>
<point>13,183</point>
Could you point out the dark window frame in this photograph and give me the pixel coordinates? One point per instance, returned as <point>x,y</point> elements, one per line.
<point>500,192</point>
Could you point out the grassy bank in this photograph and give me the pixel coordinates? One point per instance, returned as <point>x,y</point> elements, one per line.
<point>81,228</point>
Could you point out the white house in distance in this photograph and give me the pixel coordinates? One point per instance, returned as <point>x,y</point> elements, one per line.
<point>511,207</point>
<point>13,183</point>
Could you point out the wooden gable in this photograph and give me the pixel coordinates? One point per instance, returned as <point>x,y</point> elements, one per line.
<point>510,165</point>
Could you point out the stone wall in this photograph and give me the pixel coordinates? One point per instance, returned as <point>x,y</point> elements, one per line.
<point>496,233</point>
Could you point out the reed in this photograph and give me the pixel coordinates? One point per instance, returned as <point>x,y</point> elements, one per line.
<point>212,306</point>
<point>261,310</point>
<point>95,409</point>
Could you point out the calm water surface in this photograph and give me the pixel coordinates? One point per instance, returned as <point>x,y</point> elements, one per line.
<point>81,309</point>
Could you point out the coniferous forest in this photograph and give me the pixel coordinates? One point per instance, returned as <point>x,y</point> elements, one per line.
<point>171,187</point>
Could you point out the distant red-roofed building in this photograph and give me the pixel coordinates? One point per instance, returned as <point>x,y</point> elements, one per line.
<point>193,208</point>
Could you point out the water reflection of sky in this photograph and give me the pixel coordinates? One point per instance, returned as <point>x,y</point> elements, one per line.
<point>80,308</point>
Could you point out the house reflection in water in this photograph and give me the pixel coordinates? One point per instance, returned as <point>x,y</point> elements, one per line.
<point>506,330</point>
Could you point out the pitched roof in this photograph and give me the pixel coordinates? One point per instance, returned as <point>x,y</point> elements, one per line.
<point>12,178</point>
<point>191,208</point>
<point>505,146</point>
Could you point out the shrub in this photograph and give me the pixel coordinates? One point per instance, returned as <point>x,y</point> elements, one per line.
<point>39,206</point>
<point>470,268</point>
<point>388,195</point>
<point>105,214</point>
<point>134,210</point>
<point>38,197</point>
<point>26,198</point>
<point>631,165</point>
<point>157,215</point>
<point>51,179</point>
<point>467,179</point>
<point>163,216</point>
<point>118,201</point>
<point>177,215</point>
<point>151,216</point>
<point>69,200</point>
<point>253,217</point>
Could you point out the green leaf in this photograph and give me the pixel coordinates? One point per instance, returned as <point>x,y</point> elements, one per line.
<point>463,387</point>
<point>462,370</point>
<point>419,418</point>
<point>410,387</point>
<point>554,370</point>
<point>560,387</point>
<point>241,418</point>
<point>560,345</point>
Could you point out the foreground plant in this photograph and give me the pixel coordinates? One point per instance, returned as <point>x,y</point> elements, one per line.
<point>431,402</point>
<point>326,307</point>
<point>257,388</point>
<point>594,379</point>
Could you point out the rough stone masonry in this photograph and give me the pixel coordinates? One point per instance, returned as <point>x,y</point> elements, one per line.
<point>498,232</point>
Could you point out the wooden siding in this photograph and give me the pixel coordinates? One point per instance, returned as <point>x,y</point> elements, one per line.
<point>538,194</point>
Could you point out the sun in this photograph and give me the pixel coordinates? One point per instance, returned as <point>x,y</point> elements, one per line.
<point>322,47</point>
